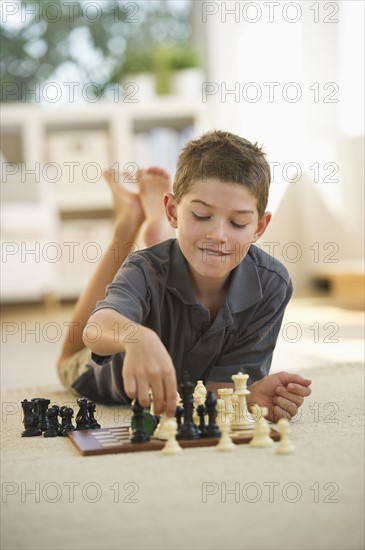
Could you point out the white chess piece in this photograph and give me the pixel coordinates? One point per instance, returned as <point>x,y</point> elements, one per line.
<point>261,431</point>
<point>161,432</point>
<point>226,395</point>
<point>199,395</point>
<point>285,446</point>
<point>172,447</point>
<point>225,442</point>
<point>242,419</point>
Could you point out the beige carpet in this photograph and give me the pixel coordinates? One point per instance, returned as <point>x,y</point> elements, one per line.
<point>53,498</point>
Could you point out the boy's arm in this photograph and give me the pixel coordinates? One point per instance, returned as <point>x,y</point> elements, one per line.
<point>147,363</point>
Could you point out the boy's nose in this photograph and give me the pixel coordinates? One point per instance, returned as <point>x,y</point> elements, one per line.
<point>217,233</point>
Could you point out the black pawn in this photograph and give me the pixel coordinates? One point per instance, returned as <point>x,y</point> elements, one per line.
<point>57,423</point>
<point>91,408</point>
<point>201,410</point>
<point>40,408</point>
<point>66,415</point>
<point>52,423</point>
<point>139,435</point>
<point>30,420</point>
<point>82,417</point>
<point>179,413</point>
<point>211,403</point>
<point>187,430</point>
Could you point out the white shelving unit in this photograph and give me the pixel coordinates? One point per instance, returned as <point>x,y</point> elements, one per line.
<point>54,183</point>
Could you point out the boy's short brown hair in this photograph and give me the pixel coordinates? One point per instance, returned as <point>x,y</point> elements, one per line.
<point>226,157</point>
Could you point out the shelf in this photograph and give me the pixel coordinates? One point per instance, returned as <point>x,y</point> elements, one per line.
<point>71,146</point>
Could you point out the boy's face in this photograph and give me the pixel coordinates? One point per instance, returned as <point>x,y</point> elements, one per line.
<point>216,224</point>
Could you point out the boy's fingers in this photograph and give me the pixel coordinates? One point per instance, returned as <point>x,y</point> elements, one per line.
<point>286,405</point>
<point>170,393</point>
<point>130,385</point>
<point>295,398</point>
<point>290,378</point>
<point>281,413</point>
<point>142,392</point>
<point>299,389</point>
<point>157,396</point>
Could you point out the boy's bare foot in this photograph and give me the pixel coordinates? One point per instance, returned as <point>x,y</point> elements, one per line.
<point>153,184</point>
<point>127,205</point>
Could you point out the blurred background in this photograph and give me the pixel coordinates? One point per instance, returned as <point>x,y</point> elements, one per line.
<point>87,85</point>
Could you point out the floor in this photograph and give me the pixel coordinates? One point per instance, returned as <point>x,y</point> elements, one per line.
<point>314,333</point>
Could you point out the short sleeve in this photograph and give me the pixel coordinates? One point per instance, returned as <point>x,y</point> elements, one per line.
<point>128,294</point>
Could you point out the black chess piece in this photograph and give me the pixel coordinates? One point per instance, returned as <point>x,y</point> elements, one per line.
<point>82,417</point>
<point>40,408</point>
<point>139,435</point>
<point>91,408</point>
<point>52,423</point>
<point>210,404</point>
<point>187,430</point>
<point>30,420</point>
<point>57,423</point>
<point>201,410</point>
<point>179,413</point>
<point>66,415</point>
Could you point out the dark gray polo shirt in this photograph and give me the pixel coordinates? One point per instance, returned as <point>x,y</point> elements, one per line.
<point>153,288</point>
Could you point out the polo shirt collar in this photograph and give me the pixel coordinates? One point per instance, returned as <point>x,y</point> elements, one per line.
<point>244,289</point>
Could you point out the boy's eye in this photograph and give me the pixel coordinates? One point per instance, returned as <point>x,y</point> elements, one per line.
<point>200,218</point>
<point>238,225</point>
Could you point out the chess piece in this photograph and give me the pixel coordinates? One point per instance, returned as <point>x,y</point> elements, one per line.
<point>30,420</point>
<point>199,396</point>
<point>172,447</point>
<point>285,446</point>
<point>179,412</point>
<point>139,435</point>
<point>261,431</point>
<point>188,430</point>
<point>52,423</point>
<point>201,412</point>
<point>161,431</point>
<point>40,408</point>
<point>66,415</point>
<point>226,395</point>
<point>242,419</point>
<point>59,426</point>
<point>210,403</point>
<point>82,417</point>
<point>224,422</point>
<point>91,408</point>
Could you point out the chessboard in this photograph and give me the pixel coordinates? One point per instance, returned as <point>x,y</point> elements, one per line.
<point>117,440</point>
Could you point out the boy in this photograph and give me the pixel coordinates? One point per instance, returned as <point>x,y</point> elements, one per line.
<point>206,302</point>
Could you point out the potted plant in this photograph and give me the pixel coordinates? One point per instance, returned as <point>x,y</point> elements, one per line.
<point>186,75</point>
<point>138,69</point>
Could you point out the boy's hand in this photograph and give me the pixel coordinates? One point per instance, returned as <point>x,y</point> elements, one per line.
<point>283,393</point>
<point>147,364</point>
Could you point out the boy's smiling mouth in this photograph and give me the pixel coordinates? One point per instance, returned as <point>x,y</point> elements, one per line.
<point>213,251</point>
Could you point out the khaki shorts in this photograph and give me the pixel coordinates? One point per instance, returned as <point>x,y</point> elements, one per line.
<point>75,366</point>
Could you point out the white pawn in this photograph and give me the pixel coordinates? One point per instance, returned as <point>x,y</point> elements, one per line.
<point>261,431</point>
<point>225,442</point>
<point>285,446</point>
<point>171,447</point>
<point>161,431</point>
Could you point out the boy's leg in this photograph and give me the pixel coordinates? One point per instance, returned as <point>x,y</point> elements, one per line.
<point>129,217</point>
<point>130,214</point>
<point>153,183</point>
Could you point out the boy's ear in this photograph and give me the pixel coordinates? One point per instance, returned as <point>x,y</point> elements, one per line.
<point>170,209</point>
<point>262,225</point>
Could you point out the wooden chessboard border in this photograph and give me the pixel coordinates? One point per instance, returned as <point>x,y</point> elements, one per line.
<point>88,443</point>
